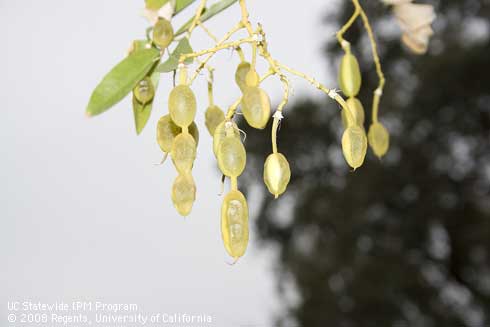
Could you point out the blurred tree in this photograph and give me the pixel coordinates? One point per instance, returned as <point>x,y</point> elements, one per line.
<point>404,241</point>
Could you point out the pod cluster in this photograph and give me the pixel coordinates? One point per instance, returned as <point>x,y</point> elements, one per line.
<point>354,139</point>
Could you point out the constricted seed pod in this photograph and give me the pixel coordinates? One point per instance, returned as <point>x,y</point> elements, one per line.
<point>232,156</point>
<point>183,152</point>
<point>354,145</point>
<point>349,75</point>
<point>184,194</point>
<point>167,131</point>
<point>213,117</point>
<point>182,105</point>
<point>220,134</point>
<point>276,173</point>
<point>234,223</point>
<point>379,139</point>
<point>356,107</point>
<point>241,75</point>
<point>144,91</point>
<point>252,78</point>
<point>163,33</point>
<point>256,107</point>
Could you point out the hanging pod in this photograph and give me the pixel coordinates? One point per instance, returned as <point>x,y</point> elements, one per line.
<point>379,139</point>
<point>213,117</point>
<point>184,194</point>
<point>349,75</point>
<point>234,223</point>
<point>183,152</point>
<point>354,145</point>
<point>182,105</point>
<point>163,33</point>
<point>167,131</point>
<point>358,111</point>
<point>276,173</point>
<point>241,74</point>
<point>220,134</point>
<point>144,91</point>
<point>232,156</point>
<point>256,107</point>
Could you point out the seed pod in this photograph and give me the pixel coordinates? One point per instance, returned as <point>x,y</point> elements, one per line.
<point>213,117</point>
<point>167,131</point>
<point>349,75</point>
<point>241,74</point>
<point>182,105</point>
<point>276,173</point>
<point>163,33</point>
<point>256,107</point>
<point>220,134</point>
<point>232,157</point>
<point>183,152</point>
<point>184,194</point>
<point>144,91</point>
<point>234,223</point>
<point>379,139</point>
<point>357,109</point>
<point>354,145</point>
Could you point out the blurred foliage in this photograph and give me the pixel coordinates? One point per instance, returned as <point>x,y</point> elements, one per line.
<point>404,241</point>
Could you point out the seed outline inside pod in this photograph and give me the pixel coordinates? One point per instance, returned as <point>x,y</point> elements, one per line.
<point>182,105</point>
<point>183,152</point>
<point>234,224</point>
<point>183,194</point>
<point>256,107</point>
<point>349,75</point>
<point>354,146</point>
<point>277,173</point>
<point>379,139</point>
<point>232,157</point>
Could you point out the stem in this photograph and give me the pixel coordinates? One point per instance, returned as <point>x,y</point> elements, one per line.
<point>210,87</point>
<point>195,21</point>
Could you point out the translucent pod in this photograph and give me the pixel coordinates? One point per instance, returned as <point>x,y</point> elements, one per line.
<point>256,107</point>
<point>184,194</point>
<point>276,173</point>
<point>234,223</point>
<point>213,117</point>
<point>220,134</point>
<point>144,91</point>
<point>349,75</point>
<point>232,156</point>
<point>167,131</point>
<point>182,105</point>
<point>357,109</point>
<point>252,78</point>
<point>354,145</point>
<point>379,139</point>
<point>241,75</point>
<point>163,33</point>
<point>183,152</point>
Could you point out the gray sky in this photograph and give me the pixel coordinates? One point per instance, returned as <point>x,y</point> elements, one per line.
<point>84,214</point>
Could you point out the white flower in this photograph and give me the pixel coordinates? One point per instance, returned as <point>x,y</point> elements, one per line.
<point>415,21</point>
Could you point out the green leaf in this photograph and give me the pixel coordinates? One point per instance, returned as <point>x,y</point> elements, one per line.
<point>173,60</point>
<point>121,80</point>
<point>155,4</point>
<point>209,13</point>
<point>142,113</point>
<point>182,4</point>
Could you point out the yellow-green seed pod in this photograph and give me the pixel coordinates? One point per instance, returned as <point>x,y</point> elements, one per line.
<point>234,223</point>
<point>232,156</point>
<point>167,131</point>
<point>357,109</point>
<point>349,75</point>
<point>220,134</point>
<point>256,107</point>
<point>213,117</point>
<point>276,173</point>
<point>379,139</point>
<point>183,152</point>
<point>252,78</point>
<point>144,91</point>
<point>184,194</point>
<point>182,105</point>
<point>163,33</point>
<point>241,75</point>
<point>354,145</point>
